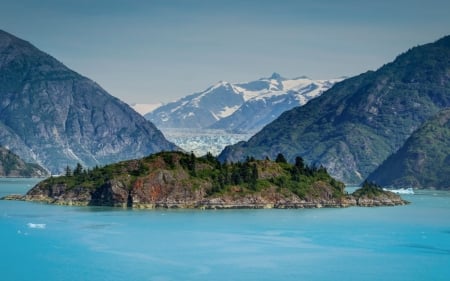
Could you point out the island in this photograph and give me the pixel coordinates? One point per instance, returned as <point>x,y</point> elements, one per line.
<point>182,180</point>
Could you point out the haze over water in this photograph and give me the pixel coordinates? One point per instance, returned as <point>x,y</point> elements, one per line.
<point>45,242</point>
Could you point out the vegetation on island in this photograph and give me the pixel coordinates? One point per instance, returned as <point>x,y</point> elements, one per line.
<point>182,180</point>
<point>216,178</point>
<point>369,189</point>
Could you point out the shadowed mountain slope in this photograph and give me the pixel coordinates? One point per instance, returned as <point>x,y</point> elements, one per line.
<point>424,160</point>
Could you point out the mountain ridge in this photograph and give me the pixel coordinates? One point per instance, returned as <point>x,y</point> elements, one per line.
<point>231,106</point>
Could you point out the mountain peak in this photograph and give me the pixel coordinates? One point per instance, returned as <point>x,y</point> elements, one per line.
<point>221,83</point>
<point>276,76</point>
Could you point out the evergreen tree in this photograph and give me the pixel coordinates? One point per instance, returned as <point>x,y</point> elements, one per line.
<point>280,158</point>
<point>254,177</point>
<point>68,171</point>
<point>192,160</point>
<point>236,174</point>
<point>299,163</point>
<point>78,170</point>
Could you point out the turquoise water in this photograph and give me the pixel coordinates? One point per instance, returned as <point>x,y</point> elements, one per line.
<point>44,242</point>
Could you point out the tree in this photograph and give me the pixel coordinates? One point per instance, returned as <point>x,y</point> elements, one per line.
<point>192,160</point>
<point>280,158</point>
<point>254,177</point>
<point>299,163</point>
<point>236,174</point>
<point>210,158</point>
<point>68,171</point>
<point>78,170</point>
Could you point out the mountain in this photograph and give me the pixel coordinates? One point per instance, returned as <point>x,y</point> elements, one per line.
<point>179,180</point>
<point>423,161</point>
<point>144,108</point>
<point>353,127</point>
<point>240,107</point>
<point>55,117</point>
<point>12,166</point>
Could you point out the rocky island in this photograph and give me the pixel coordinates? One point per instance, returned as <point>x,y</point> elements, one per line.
<point>180,180</point>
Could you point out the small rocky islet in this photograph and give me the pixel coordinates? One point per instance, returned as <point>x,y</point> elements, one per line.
<point>181,180</point>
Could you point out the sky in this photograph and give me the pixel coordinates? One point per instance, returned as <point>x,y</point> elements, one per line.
<point>161,50</point>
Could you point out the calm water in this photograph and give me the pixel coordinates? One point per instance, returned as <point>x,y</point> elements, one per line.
<point>43,242</point>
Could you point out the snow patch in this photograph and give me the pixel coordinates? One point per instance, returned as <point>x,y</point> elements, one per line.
<point>227,111</point>
<point>70,153</point>
<point>179,107</point>
<point>190,114</point>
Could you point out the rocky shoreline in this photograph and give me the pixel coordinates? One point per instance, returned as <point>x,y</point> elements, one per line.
<point>253,202</point>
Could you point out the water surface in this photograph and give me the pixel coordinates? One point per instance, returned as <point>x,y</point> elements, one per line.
<point>45,242</point>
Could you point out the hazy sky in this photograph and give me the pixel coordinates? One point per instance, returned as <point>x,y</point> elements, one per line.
<point>151,51</point>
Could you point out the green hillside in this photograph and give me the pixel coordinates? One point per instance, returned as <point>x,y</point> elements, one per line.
<point>353,127</point>
<point>424,160</point>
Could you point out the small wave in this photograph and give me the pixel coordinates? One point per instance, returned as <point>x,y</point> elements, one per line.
<point>36,225</point>
<point>401,190</point>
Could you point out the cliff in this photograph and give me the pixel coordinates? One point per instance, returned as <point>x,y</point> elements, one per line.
<point>178,180</point>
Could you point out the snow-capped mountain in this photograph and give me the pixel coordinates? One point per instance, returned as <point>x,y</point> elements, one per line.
<point>275,96</point>
<point>199,110</point>
<point>144,108</point>
<point>240,107</point>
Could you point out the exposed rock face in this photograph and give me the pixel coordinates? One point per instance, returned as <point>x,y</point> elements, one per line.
<point>162,182</point>
<point>12,166</point>
<point>55,117</point>
<point>163,196</point>
<point>353,127</point>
